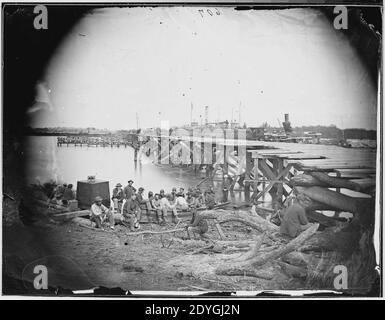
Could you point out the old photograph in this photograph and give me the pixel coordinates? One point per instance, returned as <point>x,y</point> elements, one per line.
<point>182,149</point>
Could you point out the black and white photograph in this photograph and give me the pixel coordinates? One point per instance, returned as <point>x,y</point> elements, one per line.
<point>182,149</point>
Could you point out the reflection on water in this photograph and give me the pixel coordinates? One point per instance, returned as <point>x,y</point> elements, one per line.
<point>46,161</point>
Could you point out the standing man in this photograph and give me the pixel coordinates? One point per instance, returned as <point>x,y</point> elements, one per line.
<point>225,188</point>
<point>129,190</point>
<point>68,194</point>
<point>117,197</point>
<point>140,200</point>
<point>100,213</point>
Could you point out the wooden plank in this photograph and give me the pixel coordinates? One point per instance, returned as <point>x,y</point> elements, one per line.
<point>303,157</point>
<point>366,182</point>
<point>274,152</point>
<point>266,170</point>
<point>333,162</point>
<point>271,184</point>
<point>305,165</point>
<point>353,175</point>
<point>357,171</point>
<point>335,166</point>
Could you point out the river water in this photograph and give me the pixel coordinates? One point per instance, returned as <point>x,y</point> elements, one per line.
<point>46,161</point>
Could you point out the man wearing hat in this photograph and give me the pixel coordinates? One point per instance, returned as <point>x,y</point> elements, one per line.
<point>117,197</point>
<point>173,195</point>
<point>131,212</point>
<point>210,198</point>
<point>100,213</point>
<point>225,188</point>
<point>197,225</point>
<point>140,200</point>
<point>129,190</point>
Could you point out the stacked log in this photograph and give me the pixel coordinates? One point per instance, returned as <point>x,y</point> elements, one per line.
<point>314,193</point>
<point>339,244</point>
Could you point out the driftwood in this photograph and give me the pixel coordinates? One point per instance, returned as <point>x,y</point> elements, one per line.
<point>311,205</point>
<point>321,179</point>
<point>291,246</point>
<point>335,182</point>
<point>306,180</point>
<point>84,222</point>
<point>250,219</point>
<point>335,239</point>
<point>154,232</point>
<point>255,248</point>
<point>246,271</point>
<point>220,231</point>
<point>71,215</point>
<point>48,204</point>
<point>321,218</point>
<point>88,224</point>
<point>237,268</point>
<point>293,271</point>
<point>331,198</point>
<point>297,258</point>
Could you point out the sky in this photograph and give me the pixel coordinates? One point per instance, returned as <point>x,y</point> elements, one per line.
<point>120,67</point>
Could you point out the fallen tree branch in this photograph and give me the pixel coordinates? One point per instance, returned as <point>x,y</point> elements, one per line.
<point>246,272</point>
<point>236,267</point>
<point>154,232</point>
<point>291,246</point>
<point>250,254</point>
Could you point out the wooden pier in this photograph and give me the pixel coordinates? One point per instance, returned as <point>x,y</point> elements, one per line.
<point>264,168</point>
<point>94,142</point>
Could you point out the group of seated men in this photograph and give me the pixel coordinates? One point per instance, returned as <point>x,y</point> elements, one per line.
<point>129,204</point>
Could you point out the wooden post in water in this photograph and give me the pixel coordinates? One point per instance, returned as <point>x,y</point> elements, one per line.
<point>249,162</point>
<point>256,178</point>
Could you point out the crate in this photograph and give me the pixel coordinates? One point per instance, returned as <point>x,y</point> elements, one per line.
<point>86,192</point>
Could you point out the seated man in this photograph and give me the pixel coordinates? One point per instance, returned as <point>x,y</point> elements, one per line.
<point>100,213</point>
<point>197,225</point>
<point>167,206</point>
<point>142,203</point>
<point>156,206</point>
<point>181,203</point>
<point>199,199</point>
<point>294,220</point>
<point>131,212</point>
<point>190,199</point>
<point>173,195</point>
<point>210,199</point>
